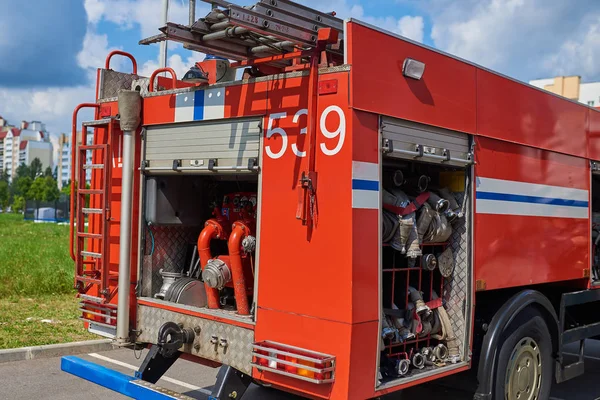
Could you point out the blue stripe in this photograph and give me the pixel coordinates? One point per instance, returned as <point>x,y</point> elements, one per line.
<point>198,105</point>
<point>530,199</point>
<point>361,184</point>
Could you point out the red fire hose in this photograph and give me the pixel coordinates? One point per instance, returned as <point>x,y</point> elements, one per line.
<point>240,231</point>
<point>213,229</point>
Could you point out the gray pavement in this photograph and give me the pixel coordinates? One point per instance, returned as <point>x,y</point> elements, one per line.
<point>43,379</point>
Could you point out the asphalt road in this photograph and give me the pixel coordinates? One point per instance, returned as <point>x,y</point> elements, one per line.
<point>43,379</point>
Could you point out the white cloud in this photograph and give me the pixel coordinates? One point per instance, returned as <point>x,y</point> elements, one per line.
<point>525,39</point>
<point>577,56</point>
<point>411,27</point>
<point>147,14</point>
<point>95,50</point>
<point>94,10</point>
<point>175,61</point>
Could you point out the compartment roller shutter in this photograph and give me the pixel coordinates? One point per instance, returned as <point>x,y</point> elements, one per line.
<point>228,145</point>
<point>418,142</point>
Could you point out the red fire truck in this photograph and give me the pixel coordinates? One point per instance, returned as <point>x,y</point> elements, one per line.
<point>335,211</point>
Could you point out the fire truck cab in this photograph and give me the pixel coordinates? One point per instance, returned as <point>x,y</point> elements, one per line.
<point>335,211</point>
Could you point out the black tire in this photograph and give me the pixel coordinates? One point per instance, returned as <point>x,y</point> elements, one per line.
<point>528,325</point>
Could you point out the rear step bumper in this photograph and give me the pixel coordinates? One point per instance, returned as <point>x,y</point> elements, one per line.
<point>117,381</point>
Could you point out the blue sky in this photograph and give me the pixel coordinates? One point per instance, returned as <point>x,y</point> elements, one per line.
<point>50,51</point>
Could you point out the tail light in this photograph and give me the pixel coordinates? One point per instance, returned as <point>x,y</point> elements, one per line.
<point>293,362</point>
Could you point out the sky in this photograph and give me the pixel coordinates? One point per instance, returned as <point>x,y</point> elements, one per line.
<point>50,52</point>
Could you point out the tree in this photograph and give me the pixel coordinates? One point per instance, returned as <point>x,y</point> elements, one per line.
<point>23,171</point>
<point>44,188</point>
<point>35,168</point>
<point>4,194</point>
<point>48,171</point>
<point>66,189</point>
<point>21,186</point>
<point>18,204</point>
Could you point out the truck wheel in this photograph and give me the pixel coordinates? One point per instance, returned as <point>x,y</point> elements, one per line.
<point>525,360</point>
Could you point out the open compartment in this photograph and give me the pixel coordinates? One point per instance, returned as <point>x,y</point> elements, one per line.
<point>595,188</point>
<point>425,270</point>
<point>199,225</point>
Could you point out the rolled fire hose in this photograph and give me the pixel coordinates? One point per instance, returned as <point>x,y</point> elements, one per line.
<point>424,221</point>
<point>440,229</point>
<point>389,225</point>
<point>447,333</point>
<point>419,182</point>
<point>437,203</point>
<point>414,248</point>
<point>398,178</point>
<point>417,299</point>
<point>447,195</point>
<point>400,237</point>
<point>403,332</point>
<point>436,325</point>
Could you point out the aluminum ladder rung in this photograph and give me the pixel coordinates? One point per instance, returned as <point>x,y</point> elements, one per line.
<point>93,166</point>
<point>91,254</point>
<point>88,279</point>
<point>91,210</point>
<point>92,299</point>
<point>98,122</point>
<point>85,235</point>
<point>93,147</point>
<point>91,191</point>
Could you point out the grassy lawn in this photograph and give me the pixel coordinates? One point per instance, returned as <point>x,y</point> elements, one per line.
<point>36,283</point>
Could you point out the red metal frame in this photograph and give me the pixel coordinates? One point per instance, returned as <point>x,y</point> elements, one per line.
<point>158,71</point>
<point>73,164</point>
<point>121,53</point>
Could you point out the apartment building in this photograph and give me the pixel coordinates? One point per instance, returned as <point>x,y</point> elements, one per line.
<point>64,158</point>
<point>571,88</point>
<point>22,145</point>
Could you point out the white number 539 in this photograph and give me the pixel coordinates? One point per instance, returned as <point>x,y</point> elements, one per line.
<point>339,133</point>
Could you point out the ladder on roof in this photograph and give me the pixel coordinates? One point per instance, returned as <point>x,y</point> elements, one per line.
<point>270,27</point>
<point>95,282</point>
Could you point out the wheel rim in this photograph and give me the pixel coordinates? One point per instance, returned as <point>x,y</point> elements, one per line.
<point>524,371</point>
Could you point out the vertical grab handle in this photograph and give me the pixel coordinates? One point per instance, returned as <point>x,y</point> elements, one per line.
<point>121,53</point>
<point>73,164</point>
<point>166,69</point>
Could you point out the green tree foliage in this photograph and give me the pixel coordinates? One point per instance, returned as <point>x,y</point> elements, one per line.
<point>48,171</point>
<point>23,171</point>
<point>66,189</point>
<point>4,194</point>
<point>44,188</point>
<point>21,185</point>
<point>35,168</point>
<point>18,204</point>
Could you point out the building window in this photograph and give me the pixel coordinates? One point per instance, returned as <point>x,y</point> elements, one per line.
<point>591,103</point>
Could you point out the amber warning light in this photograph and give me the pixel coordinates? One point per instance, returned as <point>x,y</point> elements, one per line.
<point>294,362</point>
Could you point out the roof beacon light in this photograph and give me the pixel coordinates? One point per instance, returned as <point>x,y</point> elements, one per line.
<point>413,69</point>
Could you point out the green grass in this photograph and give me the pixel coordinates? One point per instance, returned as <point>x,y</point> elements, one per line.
<point>33,321</point>
<point>36,283</point>
<point>34,258</point>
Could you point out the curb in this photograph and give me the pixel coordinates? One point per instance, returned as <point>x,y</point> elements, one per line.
<point>55,350</point>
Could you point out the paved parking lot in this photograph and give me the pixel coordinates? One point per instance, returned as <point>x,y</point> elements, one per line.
<point>43,379</point>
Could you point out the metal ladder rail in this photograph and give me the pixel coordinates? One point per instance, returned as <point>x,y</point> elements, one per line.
<point>85,240</point>
<point>103,209</point>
